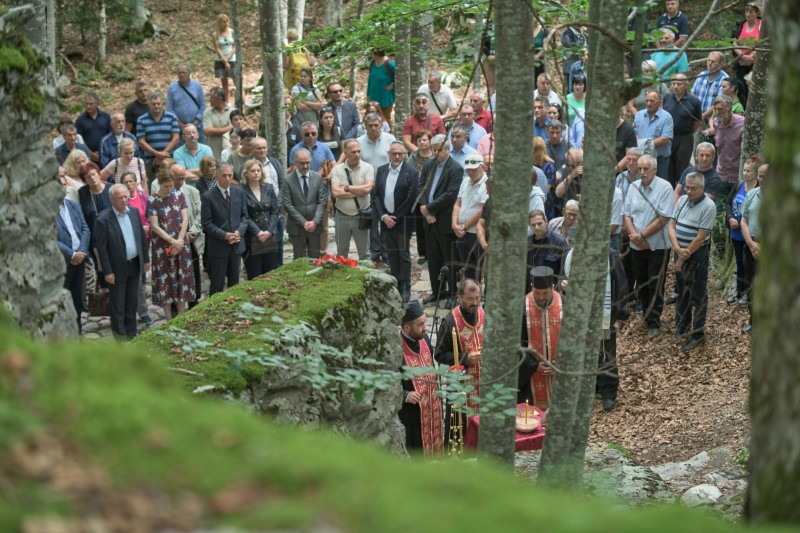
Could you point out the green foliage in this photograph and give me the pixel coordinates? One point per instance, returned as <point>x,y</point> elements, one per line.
<point>743,456</point>
<point>19,62</point>
<point>145,54</point>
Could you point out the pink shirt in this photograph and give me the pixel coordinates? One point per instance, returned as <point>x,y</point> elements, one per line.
<point>486,145</point>
<point>729,147</point>
<point>140,204</point>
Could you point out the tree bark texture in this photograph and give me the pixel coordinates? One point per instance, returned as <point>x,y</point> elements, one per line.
<point>508,247</point>
<point>272,106</point>
<point>421,29</point>
<point>102,34</point>
<point>774,488</point>
<point>402,80</point>
<point>359,13</point>
<point>332,15</point>
<point>31,267</point>
<point>40,27</point>
<point>581,331</point>
<point>237,42</point>
<point>754,125</point>
<point>296,15</point>
<point>138,16</point>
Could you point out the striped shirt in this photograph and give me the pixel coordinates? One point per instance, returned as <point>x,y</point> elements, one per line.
<point>156,133</point>
<point>690,218</point>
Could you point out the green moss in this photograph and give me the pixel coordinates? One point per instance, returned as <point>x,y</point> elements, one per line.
<point>11,59</point>
<point>621,449</point>
<point>290,293</point>
<point>18,55</point>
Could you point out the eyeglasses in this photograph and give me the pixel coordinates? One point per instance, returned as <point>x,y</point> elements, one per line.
<point>310,134</point>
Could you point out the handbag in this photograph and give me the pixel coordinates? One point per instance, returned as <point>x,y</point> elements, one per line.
<point>98,303</point>
<point>364,215</point>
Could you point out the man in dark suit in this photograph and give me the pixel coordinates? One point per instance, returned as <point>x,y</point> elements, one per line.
<point>73,241</point>
<point>122,247</point>
<point>304,202</point>
<point>223,214</point>
<point>275,175</point>
<point>439,185</point>
<point>396,185</point>
<point>345,112</point>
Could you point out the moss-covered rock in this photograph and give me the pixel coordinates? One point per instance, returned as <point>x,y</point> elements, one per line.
<point>95,438</point>
<point>349,319</point>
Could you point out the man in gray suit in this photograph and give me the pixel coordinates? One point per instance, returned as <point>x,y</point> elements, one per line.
<point>304,202</point>
<point>345,112</point>
<point>122,247</point>
<point>223,213</point>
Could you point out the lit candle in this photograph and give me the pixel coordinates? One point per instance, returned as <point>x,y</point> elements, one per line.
<point>526,411</point>
<point>455,347</point>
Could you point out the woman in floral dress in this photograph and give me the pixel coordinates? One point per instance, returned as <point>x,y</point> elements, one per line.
<point>173,274</point>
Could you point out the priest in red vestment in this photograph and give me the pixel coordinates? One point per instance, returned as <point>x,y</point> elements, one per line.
<point>541,325</point>
<point>421,413</point>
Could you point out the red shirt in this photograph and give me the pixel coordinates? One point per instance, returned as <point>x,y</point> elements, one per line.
<point>414,125</point>
<point>484,120</point>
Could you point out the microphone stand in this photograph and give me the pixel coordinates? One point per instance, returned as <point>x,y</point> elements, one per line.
<point>436,317</point>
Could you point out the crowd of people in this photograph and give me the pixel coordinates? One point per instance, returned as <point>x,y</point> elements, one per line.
<point>181,185</point>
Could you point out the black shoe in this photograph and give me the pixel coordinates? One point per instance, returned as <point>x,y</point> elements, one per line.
<point>146,320</point>
<point>430,299</point>
<point>680,335</point>
<point>672,298</point>
<point>609,404</point>
<point>422,260</point>
<point>693,343</point>
<point>747,328</point>
<point>653,332</point>
<point>449,303</point>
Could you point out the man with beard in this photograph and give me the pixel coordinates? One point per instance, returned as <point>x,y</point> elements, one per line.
<point>540,329</point>
<point>422,119</point>
<point>467,321</point>
<point>421,413</point>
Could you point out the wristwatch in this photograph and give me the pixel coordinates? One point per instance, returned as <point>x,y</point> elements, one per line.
<point>347,188</point>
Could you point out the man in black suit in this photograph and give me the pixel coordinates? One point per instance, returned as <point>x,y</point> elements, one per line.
<point>345,112</point>
<point>396,185</point>
<point>439,185</point>
<point>122,247</point>
<point>73,242</point>
<point>304,201</point>
<point>223,213</point>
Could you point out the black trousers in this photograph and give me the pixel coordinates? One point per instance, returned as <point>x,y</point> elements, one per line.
<point>220,268</point>
<point>422,250</point>
<point>255,265</point>
<point>650,268</point>
<point>750,270</point>
<point>608,385</point>
<point>469,254</point>
<point>627,263</point>
<point>196,266</point>
<point>123,296</point>
<point>679,159</point>
<point>440,246</point>
<point>397,243</point>
<point>73,282</point>
<point>692,288</point>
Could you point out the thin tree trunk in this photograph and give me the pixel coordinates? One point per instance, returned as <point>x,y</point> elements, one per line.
<point>237,42</point>
<point>579,340</point>
<point>402,80</point>
<point>774,487</point>
<point>283,16</point>
<point>422,29</point>
<point>359,13</point>
<point>102,33</point>
<point>272,112</point>
<point>507,252</point>
<point>333,13</point>
<point>296,15</point>
<point>754,126</point>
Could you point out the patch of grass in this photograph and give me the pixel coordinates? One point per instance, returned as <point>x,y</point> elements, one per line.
<point>144,54</point>
<point>288,292</point>
<point>743,456</point>
<point>621,449</point>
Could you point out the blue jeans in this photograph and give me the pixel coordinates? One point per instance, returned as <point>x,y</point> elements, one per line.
<point>692,287</point>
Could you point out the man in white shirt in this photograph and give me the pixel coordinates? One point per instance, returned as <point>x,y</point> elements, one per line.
<point>442,98</point>
<point>352,182</point>
<point>466,213</point>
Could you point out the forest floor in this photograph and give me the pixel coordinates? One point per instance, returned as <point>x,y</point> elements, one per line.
<point>671,405</point>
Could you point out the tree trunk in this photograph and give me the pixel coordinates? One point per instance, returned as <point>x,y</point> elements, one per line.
<point>237,42</point>
<point>332,15</point>
<point>754,126</point>
<point>296,15</point>
<point>102,33</point>
<point>402,80</point>
<point>354,65</point>
<point>39,27</point>
<point>272,112</point>
<point>139,25</point>
<point>283,15</point>
<point>507,252</point>
<point>422,29</point>
<point>774,488</point>
<point>579,340</point>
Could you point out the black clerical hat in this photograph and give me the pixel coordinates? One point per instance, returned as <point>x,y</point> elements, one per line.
<point>542,277</point>
<point>413,311</point>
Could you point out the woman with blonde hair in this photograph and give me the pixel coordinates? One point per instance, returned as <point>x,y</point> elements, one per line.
<point>262,227</point>
<point>225,60</point>
<point>124,164</point>
<point>72,170</point>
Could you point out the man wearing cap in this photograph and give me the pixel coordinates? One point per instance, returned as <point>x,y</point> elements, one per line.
<point>396,185</point>
<point>439,185</point>
<point>540,331</point>
<point>421,413</point>
<point>466,213</point>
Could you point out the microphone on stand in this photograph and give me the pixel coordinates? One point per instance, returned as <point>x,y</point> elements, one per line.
<point>444,273</point>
